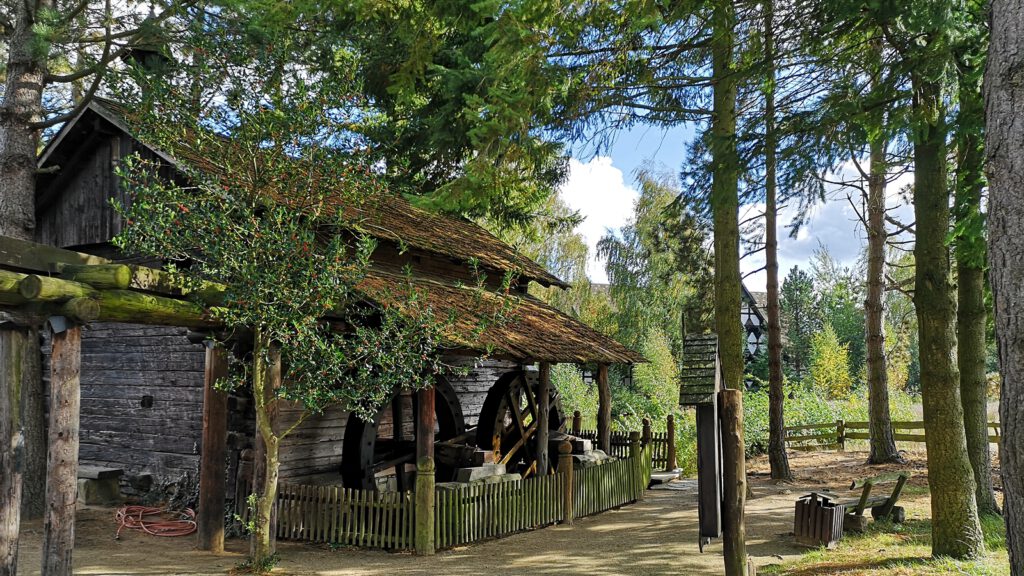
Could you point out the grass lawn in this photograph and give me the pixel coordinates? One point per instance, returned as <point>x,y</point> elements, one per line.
<point>900,549</point>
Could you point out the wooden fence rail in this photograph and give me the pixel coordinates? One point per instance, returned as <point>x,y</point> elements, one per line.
<point>620,445</point>
<point>833,435</point>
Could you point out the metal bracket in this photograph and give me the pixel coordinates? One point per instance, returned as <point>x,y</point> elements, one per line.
<point>58,324</point>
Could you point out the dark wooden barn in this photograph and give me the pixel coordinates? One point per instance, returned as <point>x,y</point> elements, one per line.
<point>143,386</point>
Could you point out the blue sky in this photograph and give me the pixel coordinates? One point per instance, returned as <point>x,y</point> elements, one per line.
<point>602,188</point>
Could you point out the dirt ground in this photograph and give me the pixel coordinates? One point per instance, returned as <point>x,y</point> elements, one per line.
<point>655,536</point>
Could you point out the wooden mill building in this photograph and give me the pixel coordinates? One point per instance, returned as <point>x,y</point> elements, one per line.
<point>142,386</point>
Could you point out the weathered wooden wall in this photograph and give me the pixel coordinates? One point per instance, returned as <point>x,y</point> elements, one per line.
<point>142,392</point>
<point>315,446</point>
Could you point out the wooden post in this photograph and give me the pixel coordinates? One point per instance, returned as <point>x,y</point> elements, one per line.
<point>62,458</point>
<point>543,425</point>
<point>425,506</point>
<point>841,435</point>
<point>734,482</point>
<point>604,410</point>
<point>670,459</point>
<point>634,454</point>
<point>577,423</point>
<point>210,521</point>
<point>646,438</point>
<point>425,424</point>
<point>565,469</point>
<point>12,444</point>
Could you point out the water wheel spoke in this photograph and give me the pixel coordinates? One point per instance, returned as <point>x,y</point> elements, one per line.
<point>521,443</point>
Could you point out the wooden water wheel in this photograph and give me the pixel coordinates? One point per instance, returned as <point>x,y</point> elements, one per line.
<point>508,421</point>
<point>367,453</point>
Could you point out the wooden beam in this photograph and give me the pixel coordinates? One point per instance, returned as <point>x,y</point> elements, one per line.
<point>212,472</point>
<point>543,419</point>
<point>604,410</point>
<point>117,276</point>
<point>12,444</point>
<point>425,418</point>
<point>9,287</point>
<point>128,306</point>
<point>62,459</point>
<point>48,289</point>
<point>34,257</point>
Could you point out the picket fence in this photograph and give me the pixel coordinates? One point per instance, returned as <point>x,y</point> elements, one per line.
<point>462,513</point>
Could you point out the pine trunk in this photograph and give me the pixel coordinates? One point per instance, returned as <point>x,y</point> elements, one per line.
<point>728,325</point>
<point>883,446</point>
<point>956,531</point>
<point>1004,99</point>
<point>20,106</point>
<point>777,458</point>
<point>970,262</point>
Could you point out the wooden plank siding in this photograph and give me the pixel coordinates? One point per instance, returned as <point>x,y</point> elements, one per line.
<point>141,402</point>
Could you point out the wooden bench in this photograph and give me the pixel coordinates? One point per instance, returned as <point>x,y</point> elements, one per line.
<point>882,506</point>
<point>97,485</point>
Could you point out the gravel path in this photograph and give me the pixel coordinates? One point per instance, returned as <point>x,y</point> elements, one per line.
<point>656,536</point>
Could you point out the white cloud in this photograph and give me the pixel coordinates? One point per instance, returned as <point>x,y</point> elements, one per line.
<point>598,191</point>
<point>834,224</point>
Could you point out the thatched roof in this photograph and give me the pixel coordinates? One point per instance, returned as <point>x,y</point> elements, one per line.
<point>389,217</point>
<point>527,329</point>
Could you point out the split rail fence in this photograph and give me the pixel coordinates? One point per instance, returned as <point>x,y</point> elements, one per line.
<point>834,435</point>
<point>461,513</point>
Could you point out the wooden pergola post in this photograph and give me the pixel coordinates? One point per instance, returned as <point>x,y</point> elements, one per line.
<point>604,410</point>
<point>543,424</point>
<point>62,457</point>
<point>425,418</point>
<point>12,443</point>
<point>210,521</point>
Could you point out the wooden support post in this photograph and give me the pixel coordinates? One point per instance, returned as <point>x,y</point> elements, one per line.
<point>604,410</point>
<point>647,435</point>
<point>12,444</point>
<point>565,469</point>
<point>424,535</point>
<point>577,423</point>
<point>210,521</point>
<point>634,455</point>
<point>397,423</point>
<point>734,479</point>
<point>543,424</point>
<point>670,458</point>
<point>841,435</point>
<point>62,458</point>
<point>425,424</point>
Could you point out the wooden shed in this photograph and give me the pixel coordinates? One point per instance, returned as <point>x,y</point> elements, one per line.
<point>143,386</point>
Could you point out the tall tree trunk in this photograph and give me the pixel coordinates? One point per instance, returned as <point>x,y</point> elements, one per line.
<point>20,106</point>
<point>728,325</point>
<point>12,444</point>
<point>777,458</point>
<point>883,446</point>
<point>1004,133</point>
<point>266,378</point>
<point>956,531</point>
<point>970,268</point>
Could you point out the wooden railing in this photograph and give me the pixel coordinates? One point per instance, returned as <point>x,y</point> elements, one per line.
<point>833,435</point>
<point>661,452</point>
